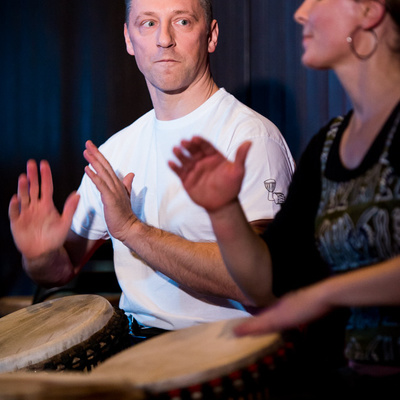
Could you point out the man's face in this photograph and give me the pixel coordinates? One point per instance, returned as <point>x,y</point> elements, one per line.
<point>170,41</point>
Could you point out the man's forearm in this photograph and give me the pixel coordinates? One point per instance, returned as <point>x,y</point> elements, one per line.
<point>198,266</point>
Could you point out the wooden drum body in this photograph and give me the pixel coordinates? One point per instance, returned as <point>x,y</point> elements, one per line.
<point>206,361</point>
<point>69,333</point>
<point>65,386</point>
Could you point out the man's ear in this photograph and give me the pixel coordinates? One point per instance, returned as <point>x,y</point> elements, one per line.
<point>128,42</point>
<point>213,36</point>
<point>374,12</point>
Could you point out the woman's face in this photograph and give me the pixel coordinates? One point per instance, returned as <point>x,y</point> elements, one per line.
<point>326,26</point>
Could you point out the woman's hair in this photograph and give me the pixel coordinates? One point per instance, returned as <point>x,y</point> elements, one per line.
<point>393,8</point>
<point>205,4</point>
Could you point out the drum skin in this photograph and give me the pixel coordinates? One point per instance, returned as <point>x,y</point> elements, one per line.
<point>188,357</point>
<point>39,332</point>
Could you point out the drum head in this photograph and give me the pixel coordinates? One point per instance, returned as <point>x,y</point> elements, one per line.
<point>38,332</point>
<point>188,357</point>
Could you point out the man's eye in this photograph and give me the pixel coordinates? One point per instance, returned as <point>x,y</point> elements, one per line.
<point>149,24</point>
<point>183,22</point>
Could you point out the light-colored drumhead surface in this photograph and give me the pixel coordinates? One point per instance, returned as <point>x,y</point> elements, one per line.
<point>41,331</point>
<point>188,357</point>
<point>65,386</point>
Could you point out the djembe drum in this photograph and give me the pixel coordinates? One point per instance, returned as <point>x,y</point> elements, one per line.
<point>69,333</point>
<point>202,362</point>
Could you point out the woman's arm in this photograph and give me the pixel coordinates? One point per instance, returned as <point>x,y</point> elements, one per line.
<point>214,183</point>
<point>377,285</point>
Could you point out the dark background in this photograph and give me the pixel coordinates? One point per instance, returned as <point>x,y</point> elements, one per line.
<point>66,77</point>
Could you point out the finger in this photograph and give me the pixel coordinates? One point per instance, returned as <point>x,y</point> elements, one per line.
<point>47,181</point>
<point>93,154</point>
<point>100,165</point>
<point>106,189</point>
<point>93,176</point>
<point>194,147</point>
<point>206,147</point>
<point>33,180</point>
<point>174,167</point>
<point>255,326</point>
<point>92,150</point>
<point>241,153</point>
<point>70,207</point>
<point>199,148</point>
<point>13,208</point>
<point>23,191</point>
<point>96,178</point>
<point>186,161</point>
<point>177,169</point>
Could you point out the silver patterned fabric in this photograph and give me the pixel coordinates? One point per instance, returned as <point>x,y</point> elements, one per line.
<point>357,225</point>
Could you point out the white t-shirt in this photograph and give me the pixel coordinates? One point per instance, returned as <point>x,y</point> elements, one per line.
<point>159,199</point>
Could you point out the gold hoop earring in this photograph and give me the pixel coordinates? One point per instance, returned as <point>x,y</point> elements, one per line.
<point>350,41</point>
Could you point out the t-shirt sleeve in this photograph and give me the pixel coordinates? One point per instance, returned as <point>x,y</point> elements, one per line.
<point>290,237</point>
<point>88,220</point>
<point>269,168</point>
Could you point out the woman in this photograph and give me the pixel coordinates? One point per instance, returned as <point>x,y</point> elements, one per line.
<point>336,241</point>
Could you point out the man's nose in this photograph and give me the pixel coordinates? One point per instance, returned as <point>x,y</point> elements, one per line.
<point>165,36</point>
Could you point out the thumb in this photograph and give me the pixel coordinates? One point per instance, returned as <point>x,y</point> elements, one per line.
<point>241,153</point>
<point>13,209</point>
<point>70,206</point>
<point>253,326</point>
<point>127,181</point>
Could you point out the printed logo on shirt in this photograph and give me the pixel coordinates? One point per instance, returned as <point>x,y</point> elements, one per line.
<point>276,197</point>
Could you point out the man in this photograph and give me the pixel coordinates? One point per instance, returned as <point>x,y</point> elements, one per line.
<point>166,259</point>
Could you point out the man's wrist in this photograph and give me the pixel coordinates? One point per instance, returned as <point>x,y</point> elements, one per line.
<point>136,230</point>
<point>49,269</point>
<point>39,261</point>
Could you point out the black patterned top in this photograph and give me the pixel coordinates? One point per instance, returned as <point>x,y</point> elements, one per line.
<point>358,224</point>
<point>336,220</point>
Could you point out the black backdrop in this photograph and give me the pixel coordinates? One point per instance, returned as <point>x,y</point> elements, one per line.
<point>66,78</point>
